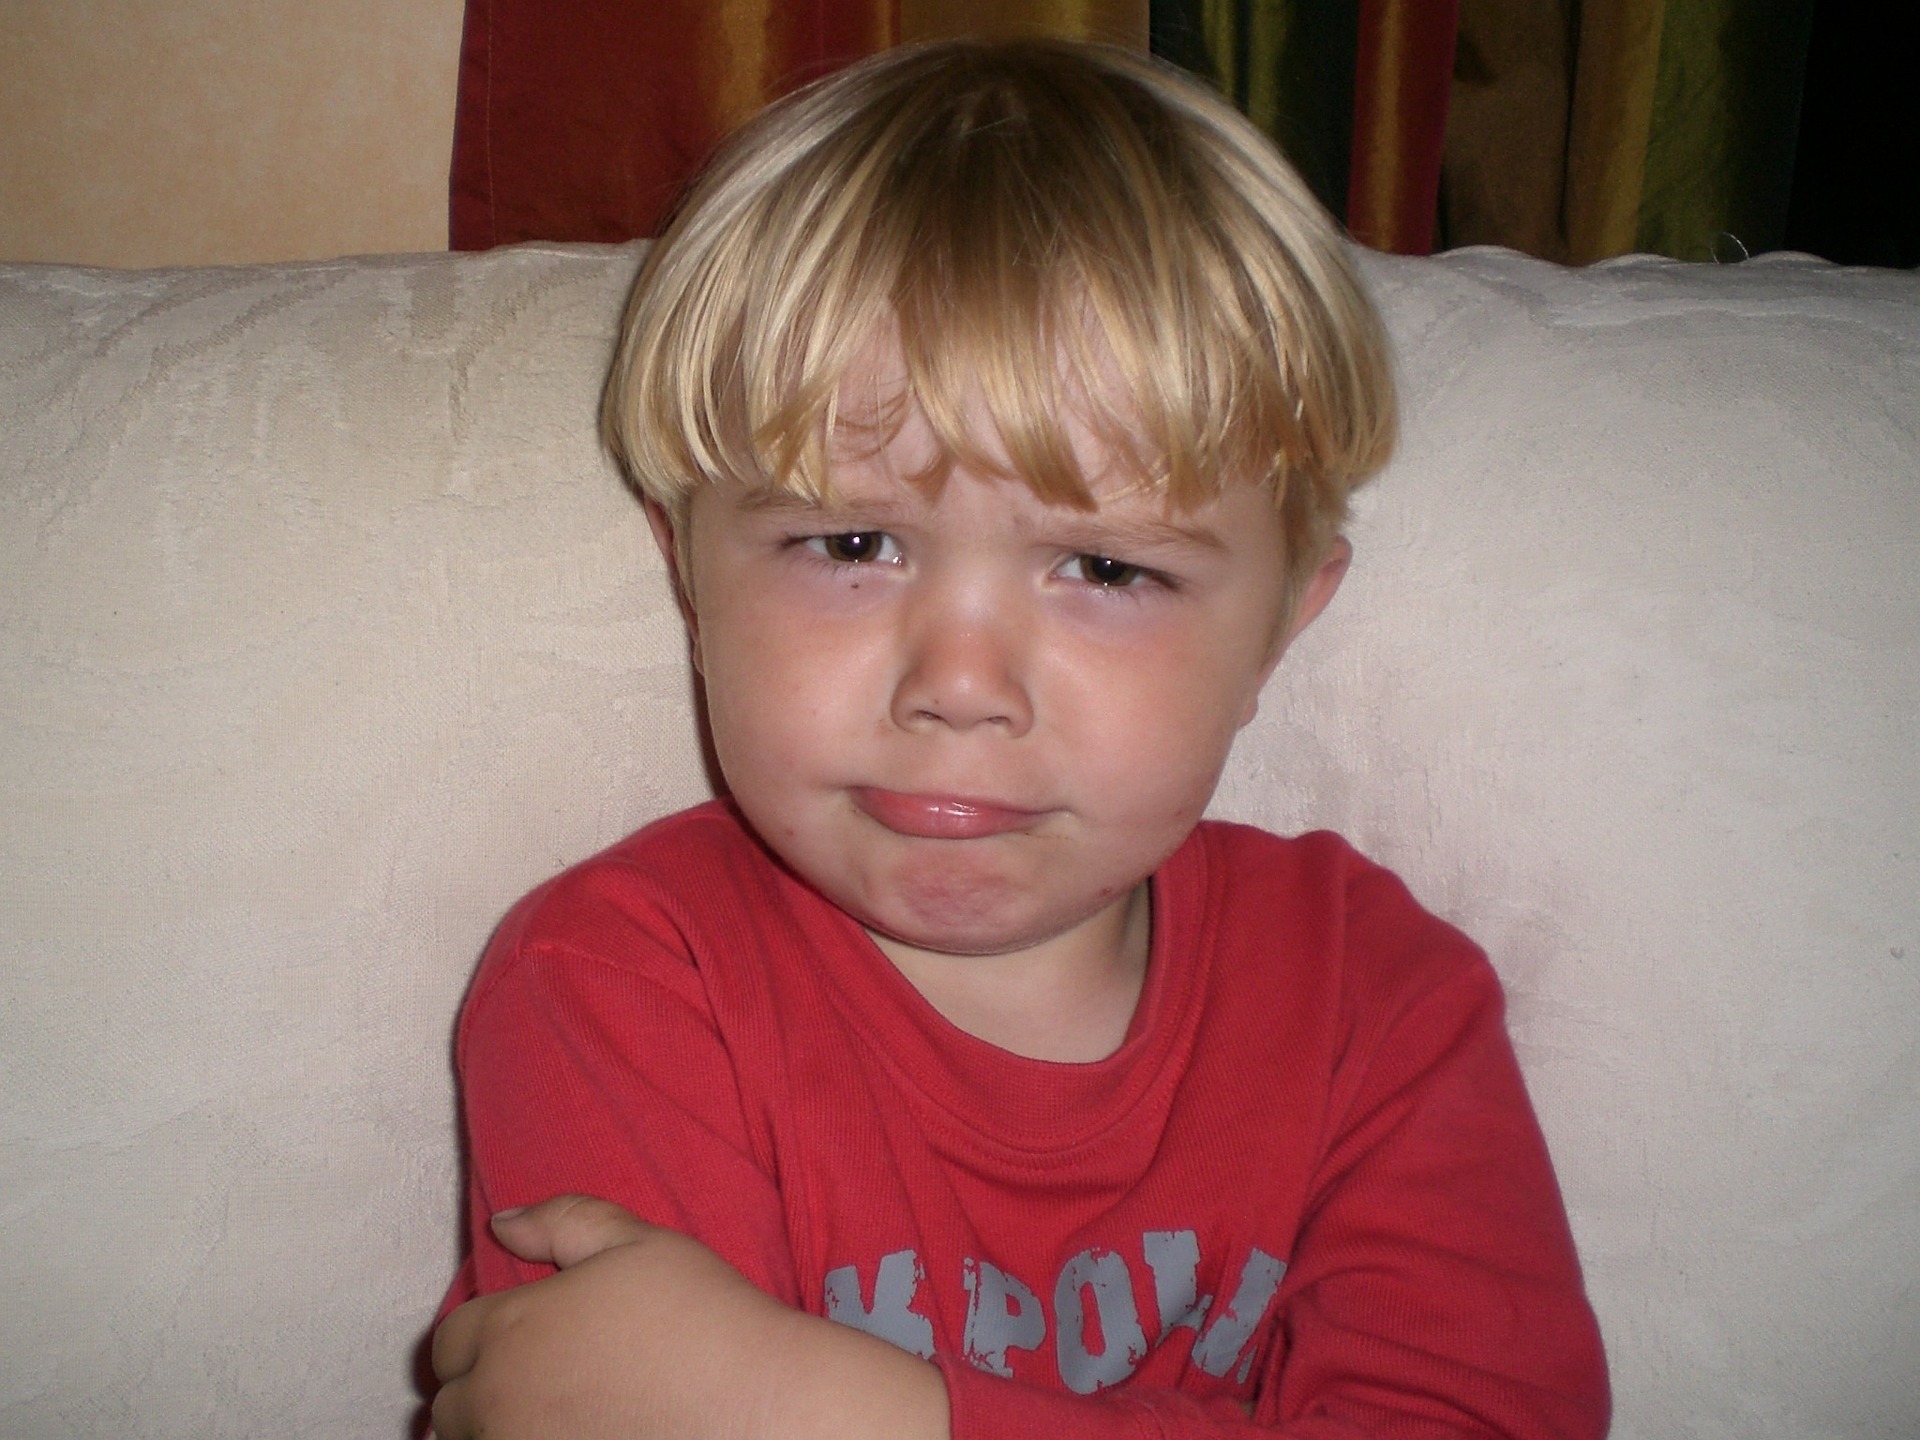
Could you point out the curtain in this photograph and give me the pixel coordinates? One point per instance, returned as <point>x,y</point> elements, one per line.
<point>1856,163</point>
<point>583,119</point>
<point>1289,66</point>
<point>1118,22</point>
<point>1570,129</point>
<point>1723,129</point>
<point>1355,93</point>
<point>1585,130</point>
<point>1403,73</point>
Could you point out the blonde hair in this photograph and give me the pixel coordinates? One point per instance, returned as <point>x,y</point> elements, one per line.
<point>1046,228</point>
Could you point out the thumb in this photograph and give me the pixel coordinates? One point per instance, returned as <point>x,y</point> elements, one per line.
<point>567,1229</point>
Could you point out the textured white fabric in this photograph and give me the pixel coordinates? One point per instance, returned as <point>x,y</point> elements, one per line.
<point>326,630</point>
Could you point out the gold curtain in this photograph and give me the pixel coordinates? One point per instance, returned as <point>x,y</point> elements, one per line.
<point>1614,82</point>
<point>1547,133</point>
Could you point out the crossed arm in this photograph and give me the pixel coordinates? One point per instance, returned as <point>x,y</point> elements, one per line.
<point>648,1335</point>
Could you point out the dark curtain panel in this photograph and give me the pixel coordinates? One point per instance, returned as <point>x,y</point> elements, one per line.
<point>1725,118</point>
<point>1354,93</point>
<point>1504,175</point>
<point>1856,177</point>
<point>1288,66</point>
<point>1584,130</point>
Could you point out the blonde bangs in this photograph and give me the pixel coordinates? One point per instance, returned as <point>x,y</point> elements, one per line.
<point>1048,231</point>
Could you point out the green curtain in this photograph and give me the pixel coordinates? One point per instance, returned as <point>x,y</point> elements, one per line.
<point>1723,129</point>
<point>1289,64</point>
<point>1575,129</point>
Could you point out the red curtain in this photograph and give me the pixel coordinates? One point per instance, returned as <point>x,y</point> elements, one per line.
<point>1402,82</point>
<point>582,119</point>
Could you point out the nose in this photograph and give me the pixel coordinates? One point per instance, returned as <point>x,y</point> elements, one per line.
<point>963,666</point>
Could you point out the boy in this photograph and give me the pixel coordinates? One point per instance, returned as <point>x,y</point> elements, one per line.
<point>996,409</point>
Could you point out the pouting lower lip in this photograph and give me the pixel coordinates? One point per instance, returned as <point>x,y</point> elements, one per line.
<point>941,817</point>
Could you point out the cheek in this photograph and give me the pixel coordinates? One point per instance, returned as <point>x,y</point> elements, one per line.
<point>743,681</point>
<point>1158,747</point>
<point>774,703</point>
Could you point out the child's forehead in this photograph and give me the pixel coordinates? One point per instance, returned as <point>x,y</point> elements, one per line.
<point>886,430</point>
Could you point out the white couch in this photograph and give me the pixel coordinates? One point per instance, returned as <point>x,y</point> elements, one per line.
<point>326,630</point>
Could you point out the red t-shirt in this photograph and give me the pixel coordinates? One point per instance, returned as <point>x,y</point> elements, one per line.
<point>1309,1180</point>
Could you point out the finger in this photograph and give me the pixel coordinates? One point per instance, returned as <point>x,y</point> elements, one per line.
<point>452,1417</point>
<point>567,1229</point>
<point>456,1340</point>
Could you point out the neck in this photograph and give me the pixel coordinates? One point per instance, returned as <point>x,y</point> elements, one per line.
<point>1069,998</point>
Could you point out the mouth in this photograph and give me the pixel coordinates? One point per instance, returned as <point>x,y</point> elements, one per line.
<point>941,817</point>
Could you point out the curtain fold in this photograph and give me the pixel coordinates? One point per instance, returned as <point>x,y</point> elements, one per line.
<point>1355,94</point>
<point>1616,73</point>
<point>584,119</point>
<point>1504,167</point>
<point>1403,74</point>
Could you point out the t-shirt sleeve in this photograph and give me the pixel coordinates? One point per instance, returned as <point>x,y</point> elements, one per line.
<point>1434,1288</point>
<point>590,1063</point>
<point>1433,1292</point>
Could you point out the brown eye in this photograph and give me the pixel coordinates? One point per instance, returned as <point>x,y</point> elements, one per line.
<point>852,548</point>
<point>1100,570</point>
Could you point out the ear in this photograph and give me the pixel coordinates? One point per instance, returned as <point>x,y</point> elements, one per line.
<point>1314,597</point>
<point>665,537</point>
<point>1319,590</point>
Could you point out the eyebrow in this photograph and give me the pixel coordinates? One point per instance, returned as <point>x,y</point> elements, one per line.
<point>1125,534</point>
<point>768,500</point>
<point>771,501</point>
<point>1089,531</point>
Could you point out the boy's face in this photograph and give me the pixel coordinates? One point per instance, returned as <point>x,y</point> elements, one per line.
<point>974,721</point>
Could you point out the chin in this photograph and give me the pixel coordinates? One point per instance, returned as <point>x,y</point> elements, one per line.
<point>969,923</point>
<point>957,913</point>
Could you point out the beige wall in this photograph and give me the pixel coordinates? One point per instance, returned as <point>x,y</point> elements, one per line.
<point>161,132</point>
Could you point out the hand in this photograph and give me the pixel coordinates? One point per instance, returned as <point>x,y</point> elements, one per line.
<point>646,1334</point>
